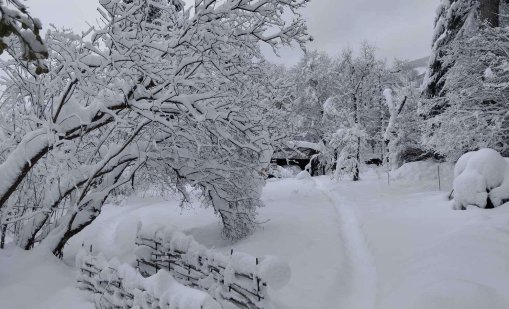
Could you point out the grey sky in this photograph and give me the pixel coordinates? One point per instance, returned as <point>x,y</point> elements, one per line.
<point>399,28</point>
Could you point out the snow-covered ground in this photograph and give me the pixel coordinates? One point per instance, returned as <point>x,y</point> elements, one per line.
<point>368,244</point>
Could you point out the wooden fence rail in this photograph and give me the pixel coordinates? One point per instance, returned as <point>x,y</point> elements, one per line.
<point>116,286</point>
<point>237,278</point>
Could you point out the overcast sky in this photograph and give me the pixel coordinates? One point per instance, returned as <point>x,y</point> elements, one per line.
<point>400,28</point>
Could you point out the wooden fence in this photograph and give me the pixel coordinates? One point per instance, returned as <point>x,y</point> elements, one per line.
<point>116,286</point>
<point>236,279</point>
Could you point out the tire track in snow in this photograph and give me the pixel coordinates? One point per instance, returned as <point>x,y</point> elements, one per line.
<point>363,281</point>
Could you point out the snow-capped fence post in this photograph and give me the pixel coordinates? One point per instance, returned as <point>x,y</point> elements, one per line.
<point>439,181</point>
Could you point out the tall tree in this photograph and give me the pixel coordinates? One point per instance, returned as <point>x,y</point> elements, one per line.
<point>459,28</point>
<point>455,18</point>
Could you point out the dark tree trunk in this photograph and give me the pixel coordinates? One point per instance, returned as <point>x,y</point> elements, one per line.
<point>356,171</point>
<point>489,11</point>
<point>73,228</point>
<point>2,236</point>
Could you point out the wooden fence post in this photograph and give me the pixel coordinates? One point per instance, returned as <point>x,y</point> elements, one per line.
<point>439,183</point>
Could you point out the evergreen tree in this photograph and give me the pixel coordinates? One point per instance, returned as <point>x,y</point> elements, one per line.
<point>464,101</point>
<point>455,18</point>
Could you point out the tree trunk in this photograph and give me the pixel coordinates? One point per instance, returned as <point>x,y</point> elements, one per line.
<point>358,158</point>
<point>73,223</point>
<point>2,235</point>
<point>489,11</point>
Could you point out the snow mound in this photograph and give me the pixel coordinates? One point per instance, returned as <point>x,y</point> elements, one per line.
<point>303,175</point>
<point>489,163</point>
<point>286,171</point>
<point>479,175</point>
<point>423,171</point>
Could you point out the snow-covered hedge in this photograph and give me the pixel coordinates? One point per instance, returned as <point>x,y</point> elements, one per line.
<point>116,285</point>
<point>480,178</point>
<point>237,279</point>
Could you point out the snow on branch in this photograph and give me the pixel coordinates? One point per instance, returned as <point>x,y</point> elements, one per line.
<point>16,21</point>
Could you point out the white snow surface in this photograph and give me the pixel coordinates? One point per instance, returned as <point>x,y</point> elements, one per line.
<point>38,280</point>
<point>367,244</point>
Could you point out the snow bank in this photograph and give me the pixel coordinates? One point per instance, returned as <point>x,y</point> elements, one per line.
<point>424,172</point>
<point>304,175</point>
<point>479,175</point>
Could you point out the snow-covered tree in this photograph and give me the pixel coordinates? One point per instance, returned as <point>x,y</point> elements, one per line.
<point>169,90</point>
<point>402,131</point>
<point>312,87</point>
<point>351,112</point>
<point>455,19</point>
<point>462,109</point>
<point>476,96</point>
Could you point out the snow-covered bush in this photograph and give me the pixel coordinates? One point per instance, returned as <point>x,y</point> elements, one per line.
<point>481,177</point>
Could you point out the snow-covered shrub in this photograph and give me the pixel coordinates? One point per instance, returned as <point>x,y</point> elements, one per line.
<point>479,175</point>
<point>346,143</point>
